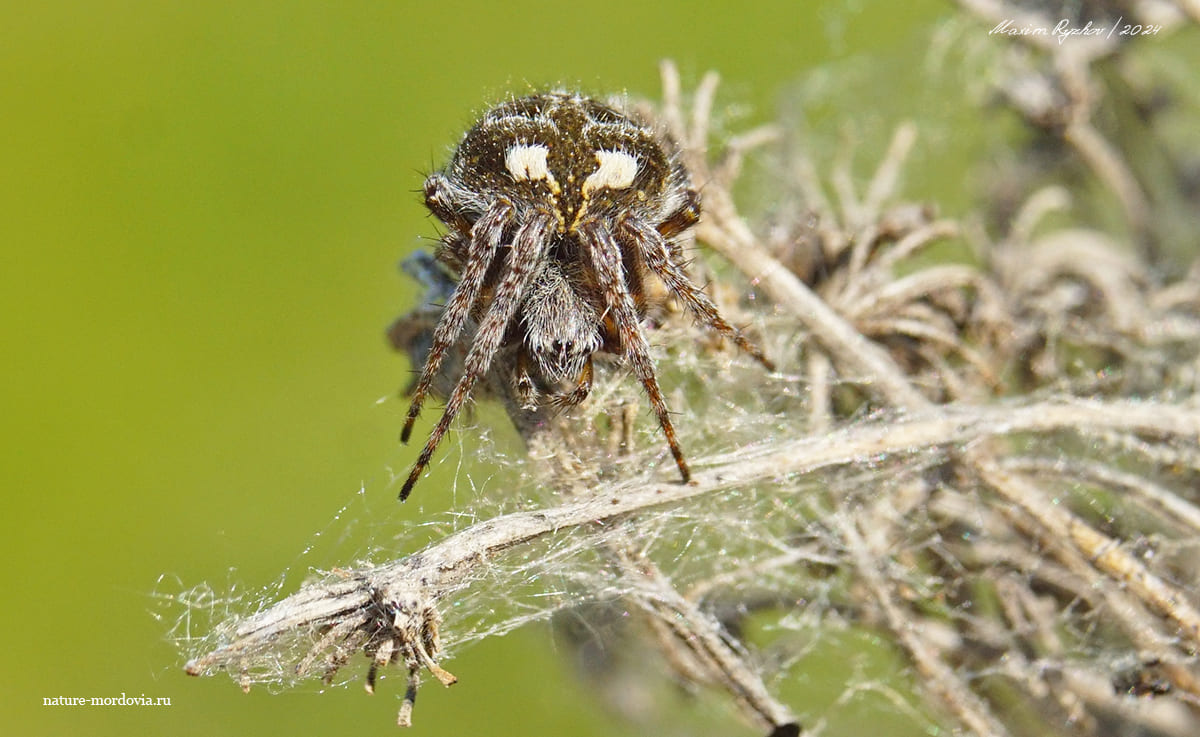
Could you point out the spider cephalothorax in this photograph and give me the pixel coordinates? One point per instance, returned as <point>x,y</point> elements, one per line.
<point>558,208</point>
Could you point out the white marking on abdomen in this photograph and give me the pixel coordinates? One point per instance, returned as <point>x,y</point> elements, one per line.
<point>527,161</point>
<point>616,171</point>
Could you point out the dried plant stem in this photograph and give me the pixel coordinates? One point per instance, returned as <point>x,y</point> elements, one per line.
<point>939,677</point>
<point>1174,508</point>
<point>884,184</point>
<point>425,578</point>
<point>1104,552</point>
<point>1191,7</point>
<point>1058,564</point>
<point>727,233</point>
<point>713,655</point>
<point>1078,574</point>
<point>1110,167</point>
<point>1073,116</point>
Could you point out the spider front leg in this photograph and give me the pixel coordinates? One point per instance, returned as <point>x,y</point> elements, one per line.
<point>484,241</point>
<point>605,255</point>
<point>656,253</point>
<point>528,249</point>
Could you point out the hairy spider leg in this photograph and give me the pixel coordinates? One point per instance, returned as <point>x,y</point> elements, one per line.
<point>658,258</point>
<point>481,250</point>
<point>581,391</point>
<point>383,656</point>
<point>685,217</point>
<point>528,248</point>
<point>605,254</point>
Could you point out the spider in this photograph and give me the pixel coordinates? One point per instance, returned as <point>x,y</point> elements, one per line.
<point>558,209</point>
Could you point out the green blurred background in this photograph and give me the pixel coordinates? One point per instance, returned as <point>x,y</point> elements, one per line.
<point>202,206</point>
